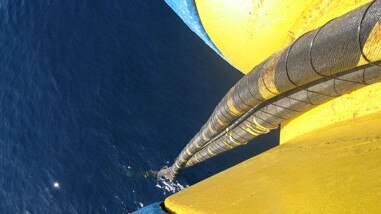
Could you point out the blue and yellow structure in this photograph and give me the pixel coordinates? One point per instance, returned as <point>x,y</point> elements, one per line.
<point>329,157</point>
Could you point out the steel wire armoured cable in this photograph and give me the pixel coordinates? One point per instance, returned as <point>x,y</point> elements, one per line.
<point>340,45</point>
<point>274,114</point>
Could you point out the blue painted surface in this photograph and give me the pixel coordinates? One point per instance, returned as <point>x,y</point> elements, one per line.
<point>188,13</point>
<point>154,208</point>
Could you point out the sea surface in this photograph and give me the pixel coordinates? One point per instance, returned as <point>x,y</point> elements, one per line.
<point>96,93</point>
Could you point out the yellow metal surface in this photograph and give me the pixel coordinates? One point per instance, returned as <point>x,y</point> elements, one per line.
<point>249,31</point>
<point>345,109</point>
<point>371,49</point>
<point>329,162</point>
<point>329,159</point>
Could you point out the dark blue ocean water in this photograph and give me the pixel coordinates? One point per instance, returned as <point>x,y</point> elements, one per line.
<point>95,93</point>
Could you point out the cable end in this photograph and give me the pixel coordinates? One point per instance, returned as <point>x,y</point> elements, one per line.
<point>166,173</point>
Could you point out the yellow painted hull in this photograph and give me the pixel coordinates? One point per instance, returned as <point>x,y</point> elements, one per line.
<point>248,32</point>
<point>329,159</point>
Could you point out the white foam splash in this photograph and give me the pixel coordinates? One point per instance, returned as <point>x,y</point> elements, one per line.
<point>169,186</point>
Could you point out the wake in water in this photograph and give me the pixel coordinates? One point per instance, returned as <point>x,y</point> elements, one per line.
<point>162,183</point>
<point>169,186</point>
